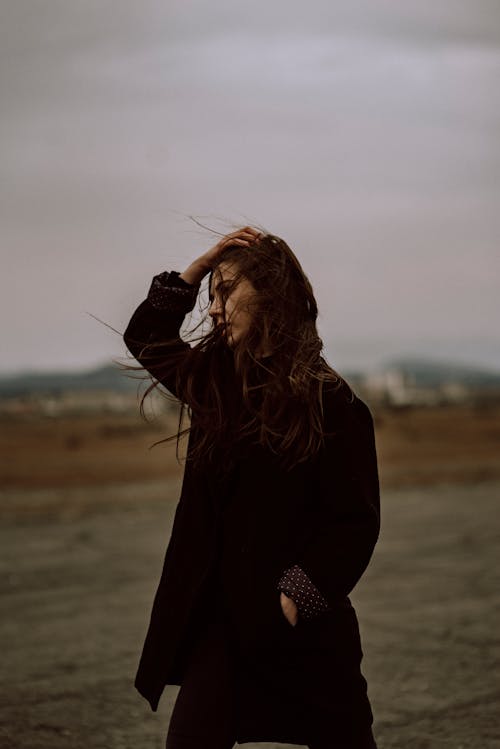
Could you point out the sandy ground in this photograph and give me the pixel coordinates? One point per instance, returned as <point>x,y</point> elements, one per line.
<point>80,564</point>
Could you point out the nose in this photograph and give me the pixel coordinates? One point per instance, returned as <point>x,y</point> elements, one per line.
<point>215,311</point>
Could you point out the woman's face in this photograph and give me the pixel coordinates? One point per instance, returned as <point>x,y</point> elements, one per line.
<point>237,313</point>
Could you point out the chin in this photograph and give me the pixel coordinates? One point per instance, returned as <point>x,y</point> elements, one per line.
<point>231,339</point>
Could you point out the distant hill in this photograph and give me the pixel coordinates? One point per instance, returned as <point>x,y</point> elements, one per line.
<point>423,372</point>
<point>107,377</point>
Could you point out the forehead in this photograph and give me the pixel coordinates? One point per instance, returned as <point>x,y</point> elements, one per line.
<point>223,272</point>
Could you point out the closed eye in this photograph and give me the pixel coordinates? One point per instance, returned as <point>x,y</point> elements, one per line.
<point>225,286</point>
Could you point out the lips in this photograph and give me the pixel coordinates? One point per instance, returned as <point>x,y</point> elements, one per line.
<point>222,326</point>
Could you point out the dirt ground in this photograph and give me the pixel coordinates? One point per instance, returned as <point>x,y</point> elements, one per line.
<point>421,446</point>
<point>86,514</point>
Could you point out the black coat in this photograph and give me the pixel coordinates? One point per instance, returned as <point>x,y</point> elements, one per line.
<point>322,515</point>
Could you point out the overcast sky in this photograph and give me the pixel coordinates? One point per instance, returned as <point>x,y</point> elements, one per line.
<point>366,134</point>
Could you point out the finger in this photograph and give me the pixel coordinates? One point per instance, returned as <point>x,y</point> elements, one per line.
<point>245,231</point>
<point>241,235</point>
<point>230,239</point>
<point>236,242</point>
<point>250,229</point>
<point>237,238</point>
<point>252,238</point>
<point>241,242</point>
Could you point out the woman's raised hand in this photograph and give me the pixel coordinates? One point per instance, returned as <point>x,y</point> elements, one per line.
<point>202,265</point>
<point>243,237</point>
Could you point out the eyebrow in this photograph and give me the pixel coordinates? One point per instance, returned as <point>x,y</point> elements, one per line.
<point>210,294</point>
<point>217,285</point>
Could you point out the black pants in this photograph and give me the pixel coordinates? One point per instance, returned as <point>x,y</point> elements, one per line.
<point>202,717</point>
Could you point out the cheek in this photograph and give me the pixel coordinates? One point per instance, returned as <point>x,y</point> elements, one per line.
<point>232,311</point>
<point>238,314</point>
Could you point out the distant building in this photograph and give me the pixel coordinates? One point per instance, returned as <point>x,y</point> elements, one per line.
<point>395,387</point>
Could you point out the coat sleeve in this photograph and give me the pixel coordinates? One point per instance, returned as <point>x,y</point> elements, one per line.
<point>347,520</point>
<point>153,333</point>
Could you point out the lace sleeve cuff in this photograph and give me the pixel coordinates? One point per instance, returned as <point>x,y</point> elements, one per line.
<point>170,292</point>
<point>297,585</point>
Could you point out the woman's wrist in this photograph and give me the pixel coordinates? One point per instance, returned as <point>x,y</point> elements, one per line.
<point>195,272</point>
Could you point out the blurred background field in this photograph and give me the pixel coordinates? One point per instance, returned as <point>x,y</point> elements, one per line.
<point>417,445</point>
<point>435,423</point>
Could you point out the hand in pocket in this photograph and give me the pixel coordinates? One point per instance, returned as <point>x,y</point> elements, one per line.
<point>289,608</point>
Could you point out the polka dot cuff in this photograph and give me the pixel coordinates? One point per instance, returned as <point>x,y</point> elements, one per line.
<point>170,292</point>
<point>296,584</point>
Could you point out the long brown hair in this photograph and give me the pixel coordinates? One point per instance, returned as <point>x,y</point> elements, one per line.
<point>237,398</point>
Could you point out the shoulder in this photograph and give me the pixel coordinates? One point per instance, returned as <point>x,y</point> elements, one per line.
<point>343,409</point>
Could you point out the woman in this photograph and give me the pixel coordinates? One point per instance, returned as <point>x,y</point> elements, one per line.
<point>278,514</point>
